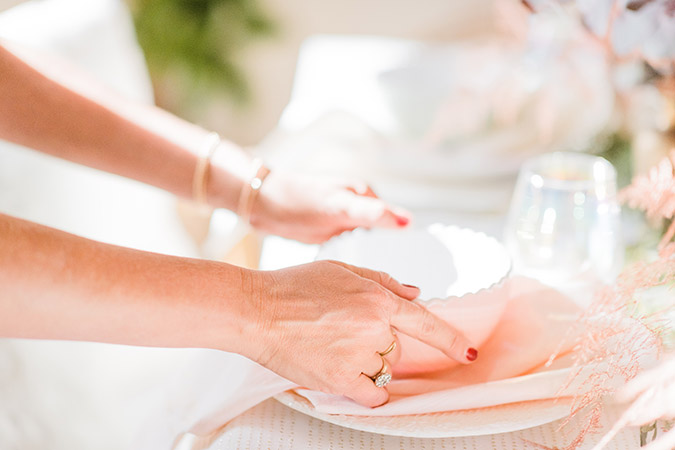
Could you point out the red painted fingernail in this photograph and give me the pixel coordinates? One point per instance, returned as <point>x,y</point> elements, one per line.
<point>411,286</point>
<point>402,221</point>
<point>471,354</point>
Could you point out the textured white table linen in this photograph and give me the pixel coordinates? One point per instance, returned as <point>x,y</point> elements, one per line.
<point>273,426</point>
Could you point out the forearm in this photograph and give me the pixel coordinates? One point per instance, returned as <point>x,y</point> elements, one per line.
<point>59,286</point>
<point>86,124</point>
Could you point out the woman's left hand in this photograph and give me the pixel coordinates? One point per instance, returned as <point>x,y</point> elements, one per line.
<point>313,209</point>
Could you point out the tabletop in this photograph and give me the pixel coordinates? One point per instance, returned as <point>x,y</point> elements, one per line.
<point>337,73</point>
<point>273,425</point>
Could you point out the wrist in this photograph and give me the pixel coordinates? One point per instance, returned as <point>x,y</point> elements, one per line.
<point>255,314</point>
<point>219,310</point>
<point>229,172</point>
<point>236,181</point>
<point>251,190</point>
<point>258,316</point>
<point>200,178</point>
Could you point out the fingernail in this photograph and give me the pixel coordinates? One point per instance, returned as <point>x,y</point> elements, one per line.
<point>411,286</point>
<point>471,354</point>
<point>402,221</point>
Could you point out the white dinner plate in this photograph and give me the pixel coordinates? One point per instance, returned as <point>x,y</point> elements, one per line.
<point>472,422</point>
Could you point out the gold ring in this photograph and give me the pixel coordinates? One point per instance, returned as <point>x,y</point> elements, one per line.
<point>382,378</point>
<point>389,349</point>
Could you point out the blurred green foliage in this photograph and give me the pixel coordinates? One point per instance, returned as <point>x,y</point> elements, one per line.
<point>618,150</point>
<point>198,40</point>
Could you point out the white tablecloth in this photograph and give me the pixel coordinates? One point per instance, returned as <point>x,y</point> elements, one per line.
<point>273,426</point>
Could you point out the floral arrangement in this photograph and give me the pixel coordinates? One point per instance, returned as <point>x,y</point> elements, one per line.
<point>629,29</point>
<point>620,333</point>
<point>637,41</point>
<point>653,392</point>
<point>632,322</point>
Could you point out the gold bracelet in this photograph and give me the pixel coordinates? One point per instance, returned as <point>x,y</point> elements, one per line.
<point>250,190</point>
<point>200,178</point>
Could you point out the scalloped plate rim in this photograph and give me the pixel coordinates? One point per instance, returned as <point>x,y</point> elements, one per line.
<point>506,272</point>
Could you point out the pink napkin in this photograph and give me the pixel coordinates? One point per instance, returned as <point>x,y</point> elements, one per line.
<point>509,367</point>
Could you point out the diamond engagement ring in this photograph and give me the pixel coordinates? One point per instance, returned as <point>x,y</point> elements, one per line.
<point>382,378</point>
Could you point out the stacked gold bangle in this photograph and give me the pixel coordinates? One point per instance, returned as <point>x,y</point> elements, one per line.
<point>250,190</point>
<point>200,180</point>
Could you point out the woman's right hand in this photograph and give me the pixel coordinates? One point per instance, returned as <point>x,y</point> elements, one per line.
<point>323,325</point>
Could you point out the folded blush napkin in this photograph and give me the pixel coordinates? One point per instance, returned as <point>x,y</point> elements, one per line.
<point>536,324</point>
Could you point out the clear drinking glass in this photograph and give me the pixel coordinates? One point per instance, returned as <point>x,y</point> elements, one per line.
<point>564,224</point>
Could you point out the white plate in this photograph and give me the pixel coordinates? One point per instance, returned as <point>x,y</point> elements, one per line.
<point>472,422</point>
<point>442,260</point>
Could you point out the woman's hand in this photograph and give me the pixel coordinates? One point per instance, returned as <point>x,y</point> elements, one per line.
<point>314,209</point>
<point>323,325</point>
<point>147,144</point>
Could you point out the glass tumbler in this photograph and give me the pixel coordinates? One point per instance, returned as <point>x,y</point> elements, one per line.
<point>564,223</point>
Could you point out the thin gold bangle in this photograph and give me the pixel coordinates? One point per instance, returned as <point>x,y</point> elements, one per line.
<point>200,178</point>
<point>250,190</point>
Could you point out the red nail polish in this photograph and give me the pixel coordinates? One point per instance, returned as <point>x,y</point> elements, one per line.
<point>411,286</point>
<point>471,354</point>
<point>402,221</point>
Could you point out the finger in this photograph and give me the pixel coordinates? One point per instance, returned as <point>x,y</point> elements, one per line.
<point>416,321</point>
<point>395,354</point>
<point>374,366</point>
<point>361,188</point>
<point>406,291</point>
<point>364,392</point>
<point>369,192</point>
<point>393,217</point>
<point>371,212</point>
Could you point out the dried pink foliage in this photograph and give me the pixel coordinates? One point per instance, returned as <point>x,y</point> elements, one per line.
<point>614,341</point>
<point>616,335</point>
<point>654,193</point>
<point>609,353</point>
<point>652,394</point>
